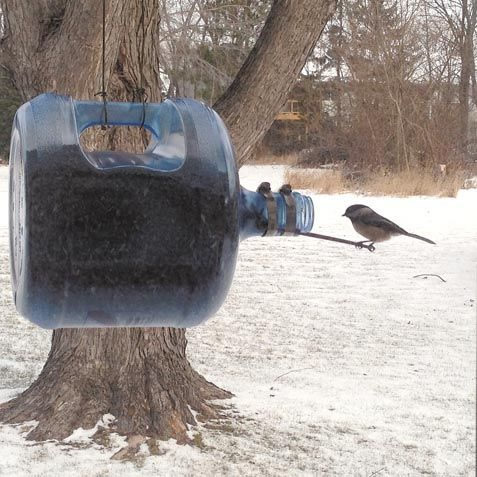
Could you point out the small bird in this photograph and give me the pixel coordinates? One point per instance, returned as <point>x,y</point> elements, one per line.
<point>375,227</point>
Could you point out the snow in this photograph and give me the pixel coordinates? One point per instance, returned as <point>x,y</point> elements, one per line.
<point>84,435</point>
<point>3,196</point>
<point>380,366</point>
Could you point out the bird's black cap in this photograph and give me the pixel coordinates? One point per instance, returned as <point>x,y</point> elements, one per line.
<point>353,208</point>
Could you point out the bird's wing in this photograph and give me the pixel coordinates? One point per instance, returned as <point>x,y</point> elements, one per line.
<point>376,220</point>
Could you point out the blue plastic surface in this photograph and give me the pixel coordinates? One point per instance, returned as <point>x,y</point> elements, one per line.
<point>254,214</point>
<point>107,238</point>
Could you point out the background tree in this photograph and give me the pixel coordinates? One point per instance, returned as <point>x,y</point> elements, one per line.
<point>204,43</point>
<point>386,89</point>
<point>141,376</point>
<point>461,19</point>
<point>381,57</point>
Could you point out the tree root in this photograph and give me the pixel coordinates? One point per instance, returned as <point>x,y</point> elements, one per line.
<point>151,392</point>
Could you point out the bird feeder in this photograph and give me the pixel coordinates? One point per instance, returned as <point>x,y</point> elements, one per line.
<point>109,238</point>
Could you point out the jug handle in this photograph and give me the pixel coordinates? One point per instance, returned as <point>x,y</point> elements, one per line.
<point>91,113</point>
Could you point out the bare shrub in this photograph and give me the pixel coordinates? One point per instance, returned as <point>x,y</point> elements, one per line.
<point>417,181</point>
<point>324,181</point>
<point>271,159</point>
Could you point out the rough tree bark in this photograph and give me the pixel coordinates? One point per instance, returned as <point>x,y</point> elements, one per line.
<point>141,376</point>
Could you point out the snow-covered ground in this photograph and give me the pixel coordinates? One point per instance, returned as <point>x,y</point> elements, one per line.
<point>341,362</point>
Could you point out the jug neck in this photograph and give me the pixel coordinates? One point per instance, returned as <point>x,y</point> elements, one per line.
<point>255,208</point>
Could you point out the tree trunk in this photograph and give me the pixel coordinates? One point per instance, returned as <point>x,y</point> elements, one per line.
<point>464,92</point>
<point>467,74</point>
<point>141,376</point>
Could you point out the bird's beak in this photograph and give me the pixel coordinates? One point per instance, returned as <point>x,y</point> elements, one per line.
<point>344,215</point>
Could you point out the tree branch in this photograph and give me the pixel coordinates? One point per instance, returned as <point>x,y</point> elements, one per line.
<point>262,85</point>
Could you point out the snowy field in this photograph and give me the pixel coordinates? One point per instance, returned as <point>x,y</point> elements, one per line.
<point>381,366</point>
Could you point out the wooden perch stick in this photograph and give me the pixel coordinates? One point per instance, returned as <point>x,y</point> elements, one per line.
<point>370,247</point>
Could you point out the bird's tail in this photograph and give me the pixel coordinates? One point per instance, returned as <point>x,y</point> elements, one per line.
<point>420,238</point>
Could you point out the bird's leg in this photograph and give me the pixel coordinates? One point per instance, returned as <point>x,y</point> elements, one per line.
<point>362,243</point>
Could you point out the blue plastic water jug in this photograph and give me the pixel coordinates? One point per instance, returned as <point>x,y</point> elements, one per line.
<point>108,238</point>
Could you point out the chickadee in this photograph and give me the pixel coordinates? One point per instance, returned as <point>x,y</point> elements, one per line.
<point>375,227</point>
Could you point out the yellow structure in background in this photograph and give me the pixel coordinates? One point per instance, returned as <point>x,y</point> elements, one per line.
<point>290,112</point>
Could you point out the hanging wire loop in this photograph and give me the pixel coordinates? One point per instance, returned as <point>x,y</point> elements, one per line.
<point>139,93</point>
<point>103,92</point>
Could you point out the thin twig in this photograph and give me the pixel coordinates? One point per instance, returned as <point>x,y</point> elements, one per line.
<point>429,275</point>
<point>292,371</point>
<point>377,472</point>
